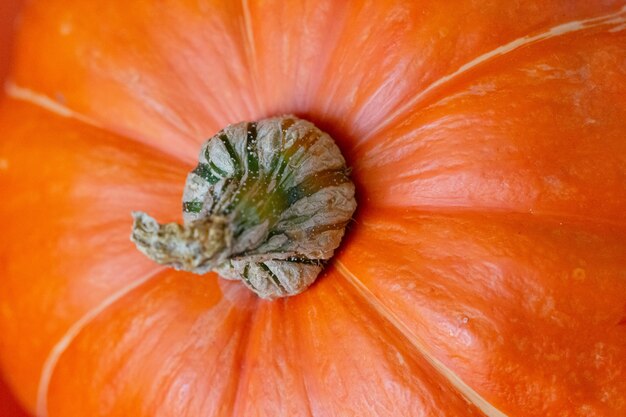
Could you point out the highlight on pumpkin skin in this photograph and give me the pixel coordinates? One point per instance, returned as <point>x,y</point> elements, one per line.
<point>267,204</point>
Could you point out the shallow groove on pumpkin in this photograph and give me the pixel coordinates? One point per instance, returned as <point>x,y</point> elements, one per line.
<point>24,94</point>
<point>471,395</point>
<point>615,21</point>
<point>71,334</point>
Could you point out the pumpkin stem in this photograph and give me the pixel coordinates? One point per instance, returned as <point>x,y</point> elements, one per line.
<point>196,247</point>
<point>267,204</point>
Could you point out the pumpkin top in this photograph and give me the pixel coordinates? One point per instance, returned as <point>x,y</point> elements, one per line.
<point>484,274</point>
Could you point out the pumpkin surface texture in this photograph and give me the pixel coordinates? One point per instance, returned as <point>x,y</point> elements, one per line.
<point>8,12</point>
<point>483,273</point>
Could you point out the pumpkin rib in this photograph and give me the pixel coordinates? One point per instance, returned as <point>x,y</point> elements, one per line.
<point>72,332</point>
<point>505,302</point>
<point>344,339</point>
<point>542,133</point>
<point>40,100</point>
<point>471,395</point>
<point>614,19</point>
<point>252,357</point>
<point>138,358</point>
<point>80,215</point>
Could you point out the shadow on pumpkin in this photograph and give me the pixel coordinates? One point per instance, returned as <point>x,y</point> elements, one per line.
<point>8,405</point>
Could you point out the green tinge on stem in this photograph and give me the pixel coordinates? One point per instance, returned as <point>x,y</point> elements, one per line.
<point>267,204</point>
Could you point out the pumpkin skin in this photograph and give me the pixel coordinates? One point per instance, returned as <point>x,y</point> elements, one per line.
<point>484,275</point>
<point>8,405</point>
<point>8,12</point>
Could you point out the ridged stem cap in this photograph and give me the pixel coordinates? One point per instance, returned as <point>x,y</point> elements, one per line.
<point>267,204</point>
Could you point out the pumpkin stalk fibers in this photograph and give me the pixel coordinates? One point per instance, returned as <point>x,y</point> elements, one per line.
<point>267,204</point>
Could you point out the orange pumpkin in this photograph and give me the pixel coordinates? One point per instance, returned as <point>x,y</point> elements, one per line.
<point>484,273</point>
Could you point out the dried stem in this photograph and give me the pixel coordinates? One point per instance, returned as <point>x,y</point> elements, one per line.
<point>267,204</point>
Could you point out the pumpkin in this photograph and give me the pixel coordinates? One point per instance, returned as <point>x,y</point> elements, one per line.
<point>484,271</point>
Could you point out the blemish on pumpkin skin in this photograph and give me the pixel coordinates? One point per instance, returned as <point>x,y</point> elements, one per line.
<point>4,164</point>
<point>579,274</point>
<point>60,98</point>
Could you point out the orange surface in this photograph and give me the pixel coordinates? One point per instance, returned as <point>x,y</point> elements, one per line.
<point>485,271</point>
<point>8,11</point>
<point>8,404</point>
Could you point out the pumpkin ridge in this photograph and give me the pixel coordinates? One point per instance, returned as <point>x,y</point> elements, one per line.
<point>614,19</point>
<point>44,102</point>
<point>72,333</point>
<point>455,381</point>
